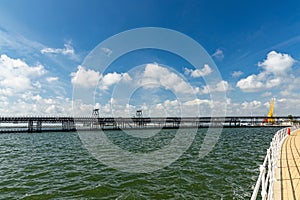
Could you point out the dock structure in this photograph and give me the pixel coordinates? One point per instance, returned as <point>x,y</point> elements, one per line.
<point>279,176</point>
<point>42,124</point>
<point>287,184</point>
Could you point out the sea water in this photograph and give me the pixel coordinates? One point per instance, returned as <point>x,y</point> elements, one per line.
<point>58,166</point>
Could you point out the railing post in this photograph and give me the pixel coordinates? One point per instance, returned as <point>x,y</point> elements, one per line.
<point>262,170</point>
<point>270,171</point>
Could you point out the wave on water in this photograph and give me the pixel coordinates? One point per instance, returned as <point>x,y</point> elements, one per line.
<point>57,166</point>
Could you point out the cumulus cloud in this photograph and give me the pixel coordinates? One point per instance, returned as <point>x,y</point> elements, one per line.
<point>18,75</point>
<point>85,78</point>
<point>219,54</point>
<point>251,105</point>
<point>90,78</point>
<point>222,86</point>
<point>113,78</point>
<point>277,63</point>
<point>197,102</point>
<point>256,82</point>
<point>163,109</point>
<point>32,103</point>
<point>275,71</point>
<point>6,92</point>
<point>22,89</point>
<point>156,75</point>
<point>206,70</point>
<point>251,83</point>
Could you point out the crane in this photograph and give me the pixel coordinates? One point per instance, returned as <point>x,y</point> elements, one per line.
<point>270,119</point>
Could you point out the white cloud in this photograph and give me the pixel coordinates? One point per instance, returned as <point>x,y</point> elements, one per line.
<point>222,86</point>
<point>68,50</point>
<point>266,94</point>
<point>51,79</point>
<point>281,100</point>
<point>18,75</point>
<point>197,102</point>
<point>236,74</point>
<point>277,63</point>
<point>20,87</point>
<point>113,78</point>
<point>30,103</point>
<point>156,75</point>
<point>218,54</point>
<point>251,83</point>
<point>256,82</point>
<point>206,70</point>
<point>85,78</point>
<point>162,109</point>
<point>165,109</point>
<point>90,78</point>
<point>251,105</point>
<point>6,92</point>
<point>275,72</point>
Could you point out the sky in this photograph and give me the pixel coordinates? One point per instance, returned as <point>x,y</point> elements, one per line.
<point>251,55</point>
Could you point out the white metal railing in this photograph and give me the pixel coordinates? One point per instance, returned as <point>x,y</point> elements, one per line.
<point>266,176</point>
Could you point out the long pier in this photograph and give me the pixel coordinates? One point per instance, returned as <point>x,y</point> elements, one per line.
<point>279,176</point>
<point>287,171</point>
<point>40,124</point>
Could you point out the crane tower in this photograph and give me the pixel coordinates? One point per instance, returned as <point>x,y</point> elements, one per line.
<point>271,120</point>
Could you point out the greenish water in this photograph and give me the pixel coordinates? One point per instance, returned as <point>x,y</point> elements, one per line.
<point>57,166</point>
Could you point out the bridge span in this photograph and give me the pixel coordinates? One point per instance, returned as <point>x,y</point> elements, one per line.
<point>40,124</point>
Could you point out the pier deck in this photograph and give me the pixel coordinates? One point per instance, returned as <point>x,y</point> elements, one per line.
<point>287,184</point>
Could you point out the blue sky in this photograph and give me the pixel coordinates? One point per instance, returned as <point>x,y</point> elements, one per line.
<point>254,44</point>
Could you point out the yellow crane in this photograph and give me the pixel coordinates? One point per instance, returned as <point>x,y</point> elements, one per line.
<point>271,120</point>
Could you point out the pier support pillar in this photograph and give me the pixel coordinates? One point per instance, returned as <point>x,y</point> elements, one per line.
<point>68,125</point>
<point>39,126</point>
<point>30,126</point>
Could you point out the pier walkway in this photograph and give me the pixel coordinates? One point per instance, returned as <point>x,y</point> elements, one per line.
<point>287,174</point>
<point>279,176</point>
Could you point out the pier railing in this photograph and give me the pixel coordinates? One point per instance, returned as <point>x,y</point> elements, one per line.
<point>266,178</point>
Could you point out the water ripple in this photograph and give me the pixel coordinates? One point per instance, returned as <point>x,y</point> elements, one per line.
<point>57,166</point>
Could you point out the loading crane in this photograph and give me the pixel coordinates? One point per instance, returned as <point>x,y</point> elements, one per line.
<point>270,119</point>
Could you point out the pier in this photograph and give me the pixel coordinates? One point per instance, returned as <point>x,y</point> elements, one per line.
<point>288,169</point>
<point>279,176</point>
<point>41,124</point>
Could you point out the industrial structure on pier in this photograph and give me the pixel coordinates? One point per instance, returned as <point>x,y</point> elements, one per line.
<point>40,124</point>
<point>95,122</point>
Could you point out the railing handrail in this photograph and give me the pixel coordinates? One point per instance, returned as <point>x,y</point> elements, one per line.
<point>266,176</point>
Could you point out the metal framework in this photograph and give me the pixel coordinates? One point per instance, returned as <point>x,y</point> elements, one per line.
<point>39,124</point>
